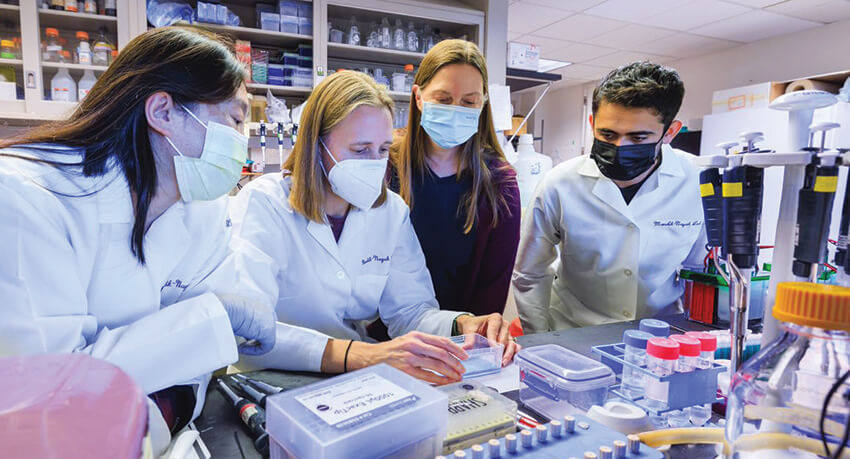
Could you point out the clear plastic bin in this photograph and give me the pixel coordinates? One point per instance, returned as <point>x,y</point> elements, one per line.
<point>374,412</point>
<point>485,356</point>
<point>287,7</point>
<point>305,26</point>
<point>305,9</point>
<point>476,415</point>
<point>555,381</point>
<point>289,24</point>
<point>270,21</point>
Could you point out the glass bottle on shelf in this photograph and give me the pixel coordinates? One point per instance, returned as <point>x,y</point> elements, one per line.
<point>408,77</point>
<point>412,38</point>
<point>52,48</point>
<point>386,36</point>
<point>90,6</point>
<point>353,32</point>
<point>102,50</point>
<point>374,38</point>
<point>57,5</point>
<point>427,39</point>
<point>65,57</point>
<point>71,5</point>
<point>83,48</point>
<point>109,8</point>
<point>399,36</point>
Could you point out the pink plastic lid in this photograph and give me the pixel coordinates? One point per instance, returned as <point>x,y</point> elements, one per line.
<point>706,340</point>
<point>688,346</point>
<point>69,405</point>
<point>662,348</point>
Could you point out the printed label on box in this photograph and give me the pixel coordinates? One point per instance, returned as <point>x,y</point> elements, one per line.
<point>356,401</point>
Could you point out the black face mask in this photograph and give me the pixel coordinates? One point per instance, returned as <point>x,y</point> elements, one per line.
<point>624,162</point>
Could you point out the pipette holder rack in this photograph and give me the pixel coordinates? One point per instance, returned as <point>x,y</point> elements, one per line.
<point>698,387</point>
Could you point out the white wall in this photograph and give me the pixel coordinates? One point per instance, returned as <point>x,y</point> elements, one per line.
<point>825,49</point>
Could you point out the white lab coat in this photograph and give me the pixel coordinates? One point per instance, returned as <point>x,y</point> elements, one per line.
<point>322,288</point>
<point>616,261</point>
<point>69,282</point>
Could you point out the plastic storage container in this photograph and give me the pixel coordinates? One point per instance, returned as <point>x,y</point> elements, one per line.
<point>305,25</point>
<point>485,356</point>
<point>555,381</point>
<point>270,21</point>
<point>288,24</point>
<point>374,412</point>
<point>476,414</point>
<point>287,7</point>
<point>305,62</point>
<point>305,50</point>
<point>305,9</point>
<point>784,388</point>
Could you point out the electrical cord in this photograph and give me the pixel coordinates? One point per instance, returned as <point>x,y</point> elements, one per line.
<point>824,409</point>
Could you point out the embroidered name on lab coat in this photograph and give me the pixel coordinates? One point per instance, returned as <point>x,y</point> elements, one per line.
<point>677,223</point>
<point>176,283</point>
<point>375,258</point>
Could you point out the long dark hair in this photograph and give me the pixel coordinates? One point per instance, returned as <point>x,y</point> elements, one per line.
<point>478,153</point>
<point>192,65</point>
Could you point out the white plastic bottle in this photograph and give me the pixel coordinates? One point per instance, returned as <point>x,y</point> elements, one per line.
<point>531,166</point>
<point>63,87</point>
<point>85,84</point>
<point>689,354</point>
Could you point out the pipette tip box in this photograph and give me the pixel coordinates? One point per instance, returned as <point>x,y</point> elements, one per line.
<point>374,412</point>
<point>477,414</point>
<point>485,356</point>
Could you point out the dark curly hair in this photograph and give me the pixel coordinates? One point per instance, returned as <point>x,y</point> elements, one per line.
<point>643,85</point>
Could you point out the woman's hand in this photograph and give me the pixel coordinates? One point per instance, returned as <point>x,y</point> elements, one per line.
<point>433,359</point>
<point>494,327</point>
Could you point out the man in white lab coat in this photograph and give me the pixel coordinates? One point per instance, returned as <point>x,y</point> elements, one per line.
<point>621,220</point>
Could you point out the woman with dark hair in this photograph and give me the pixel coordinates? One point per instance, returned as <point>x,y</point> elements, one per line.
<point>111,227</point>
<point>463,194</point>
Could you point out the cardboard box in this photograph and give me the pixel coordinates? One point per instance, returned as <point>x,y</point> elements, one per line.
<point>523,56</point>
<point>753,96</point>
<point>243,53</point>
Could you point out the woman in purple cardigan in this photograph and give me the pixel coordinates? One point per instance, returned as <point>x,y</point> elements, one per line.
<point>462,192</point>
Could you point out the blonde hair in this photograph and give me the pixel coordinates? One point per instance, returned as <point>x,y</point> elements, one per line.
<point>408,155</point>
<point>329,103</point>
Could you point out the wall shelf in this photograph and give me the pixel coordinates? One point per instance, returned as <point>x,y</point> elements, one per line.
<point>260,89</point>
<point>259,36</point>
<point>69,21</point>
<point>12,62</point>
<point>80,67</point>
<point>375,55</point>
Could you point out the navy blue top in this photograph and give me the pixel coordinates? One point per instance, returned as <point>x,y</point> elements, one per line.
<point>438,220</point>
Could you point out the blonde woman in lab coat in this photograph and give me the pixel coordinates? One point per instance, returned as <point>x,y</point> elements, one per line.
<point>111,227</point>
<point>334,250</point>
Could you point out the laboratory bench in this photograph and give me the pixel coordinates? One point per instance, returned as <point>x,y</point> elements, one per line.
<point>226,437</point>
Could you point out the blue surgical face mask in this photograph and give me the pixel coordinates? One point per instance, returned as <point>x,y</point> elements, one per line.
<point>449,125</point>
